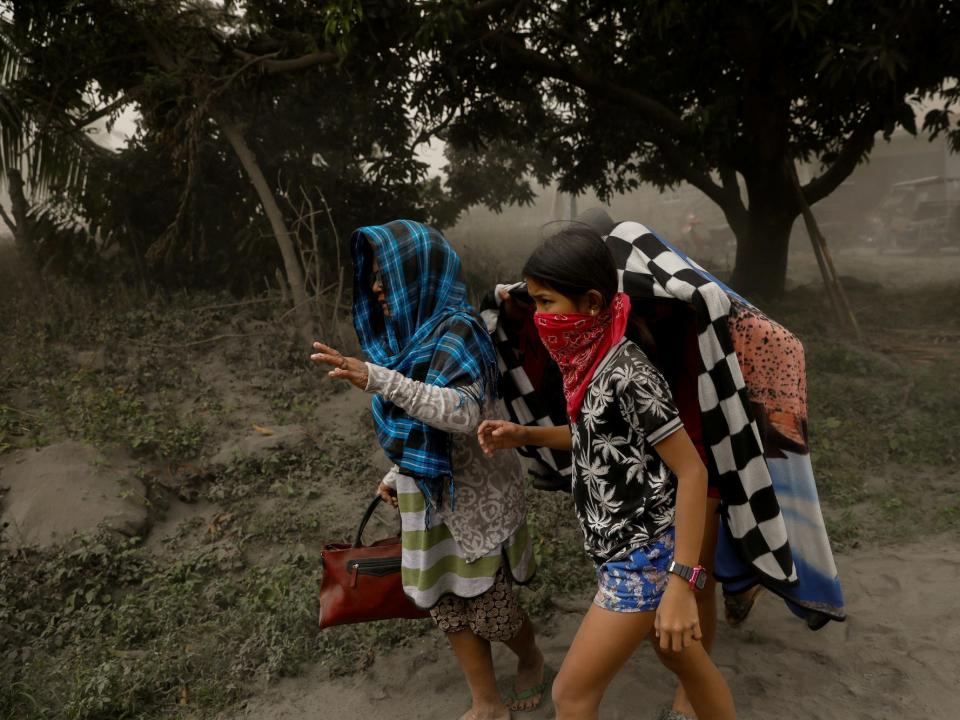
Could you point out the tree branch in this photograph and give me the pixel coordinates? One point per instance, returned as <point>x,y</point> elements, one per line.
<point>429,132</point>
<point>669,126</point>
<point>701,181</point>
<point>731,187</point>
<point>272,65</point>
<point>728,177</point>
<point>685,165</point>
<point>654,112</point>
<point>859,142</point>
<point>92,117</point>
<point>489,7</point>
<point>8,220</point>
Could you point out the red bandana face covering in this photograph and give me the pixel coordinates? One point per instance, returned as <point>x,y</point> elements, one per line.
<point>579,342</point>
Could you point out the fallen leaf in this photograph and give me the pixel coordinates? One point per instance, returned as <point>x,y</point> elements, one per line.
<point>219,522</point>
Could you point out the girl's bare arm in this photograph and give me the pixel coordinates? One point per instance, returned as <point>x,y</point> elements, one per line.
<point>678,622</point>
<point>500,435</point>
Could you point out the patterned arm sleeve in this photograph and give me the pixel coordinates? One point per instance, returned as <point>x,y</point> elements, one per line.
<point>648,406</point>
<point>447,409</point>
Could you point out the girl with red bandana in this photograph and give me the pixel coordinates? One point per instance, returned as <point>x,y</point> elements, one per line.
<point>639,485</point>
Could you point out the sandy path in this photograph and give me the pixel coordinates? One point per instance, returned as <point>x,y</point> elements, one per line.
<point>897,656</point>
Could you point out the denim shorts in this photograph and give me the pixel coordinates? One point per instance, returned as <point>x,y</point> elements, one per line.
<point>636,582</point>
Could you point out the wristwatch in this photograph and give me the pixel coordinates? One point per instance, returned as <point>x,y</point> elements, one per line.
<point>696,576</point>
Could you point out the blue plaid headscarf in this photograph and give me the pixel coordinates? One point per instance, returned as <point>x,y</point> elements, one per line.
<point>432,335</point>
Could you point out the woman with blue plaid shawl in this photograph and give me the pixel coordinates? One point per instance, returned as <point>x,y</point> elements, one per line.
<point>433,374</point>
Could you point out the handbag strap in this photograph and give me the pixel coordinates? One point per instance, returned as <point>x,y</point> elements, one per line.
<point>366,518</point>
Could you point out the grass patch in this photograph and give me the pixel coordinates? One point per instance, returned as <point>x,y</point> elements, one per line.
<point>279,499</point>
<point>563,567</point>
<point>106,631</point>
<point>883,414</point>
<point>887,399</point>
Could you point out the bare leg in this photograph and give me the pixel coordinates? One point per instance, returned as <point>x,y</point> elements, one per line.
<point>604,642</point>
<point>474,655</point>
<point>706,598</point>
<point>529,664</point>
<point>708,691</point>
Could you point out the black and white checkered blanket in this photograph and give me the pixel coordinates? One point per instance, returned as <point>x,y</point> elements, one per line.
<point>649,267</point>
<point>525,406</point>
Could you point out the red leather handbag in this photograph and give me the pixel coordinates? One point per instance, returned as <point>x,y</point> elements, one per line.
<point>362,582</point>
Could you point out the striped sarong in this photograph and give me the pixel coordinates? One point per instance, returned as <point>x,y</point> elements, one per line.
<point>433,563</point>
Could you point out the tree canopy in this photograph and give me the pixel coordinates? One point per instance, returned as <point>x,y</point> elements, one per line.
<point>724,96</point>
<point>247,107</point>
<point>318,119</point>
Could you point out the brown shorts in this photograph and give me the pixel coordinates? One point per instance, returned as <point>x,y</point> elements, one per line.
<point>495,615</point>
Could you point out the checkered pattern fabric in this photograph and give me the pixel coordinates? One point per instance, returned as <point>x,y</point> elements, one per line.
<point>650,267</point>
<point>524,406</point>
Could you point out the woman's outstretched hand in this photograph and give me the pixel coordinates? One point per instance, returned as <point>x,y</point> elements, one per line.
<point>346,368</point>
<point>500,435</point>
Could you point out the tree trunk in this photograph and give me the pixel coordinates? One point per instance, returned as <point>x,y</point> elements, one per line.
<point>762,247</point>
<point>291,263</point>
<point>763,234</point>
<point>19,207</point>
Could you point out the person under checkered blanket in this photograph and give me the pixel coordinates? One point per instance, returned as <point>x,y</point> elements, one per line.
<point>639,485</point>
<point>701,327</point>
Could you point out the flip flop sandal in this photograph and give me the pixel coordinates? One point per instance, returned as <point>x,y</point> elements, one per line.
<point>531,692</point>
<point>736,608</point>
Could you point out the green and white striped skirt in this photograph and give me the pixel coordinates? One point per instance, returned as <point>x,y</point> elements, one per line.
<point>433,564</point>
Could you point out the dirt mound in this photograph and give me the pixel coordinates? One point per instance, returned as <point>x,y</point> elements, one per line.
<point>67,488</point>
<point>260,441</point>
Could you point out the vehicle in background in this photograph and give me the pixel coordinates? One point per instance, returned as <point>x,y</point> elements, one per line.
<point>921,215</point>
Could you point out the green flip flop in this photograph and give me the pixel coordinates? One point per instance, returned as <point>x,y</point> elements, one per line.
<point>520,696</point>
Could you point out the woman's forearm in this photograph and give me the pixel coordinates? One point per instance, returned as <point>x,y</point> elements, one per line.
<point>447,409</point>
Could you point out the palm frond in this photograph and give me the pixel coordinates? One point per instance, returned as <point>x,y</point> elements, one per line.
<point>38,138</point>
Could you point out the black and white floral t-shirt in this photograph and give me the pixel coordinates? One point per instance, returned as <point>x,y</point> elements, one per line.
<point>624,494</point>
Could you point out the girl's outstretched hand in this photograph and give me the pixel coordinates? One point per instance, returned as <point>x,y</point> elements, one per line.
<point>677,623</point>
<point>500,435</point>
<point>346,368</point>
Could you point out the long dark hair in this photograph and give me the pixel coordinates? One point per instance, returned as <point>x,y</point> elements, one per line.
<point>573,262</point>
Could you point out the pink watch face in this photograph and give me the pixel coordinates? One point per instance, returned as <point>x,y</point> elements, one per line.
<point>699,578</point>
